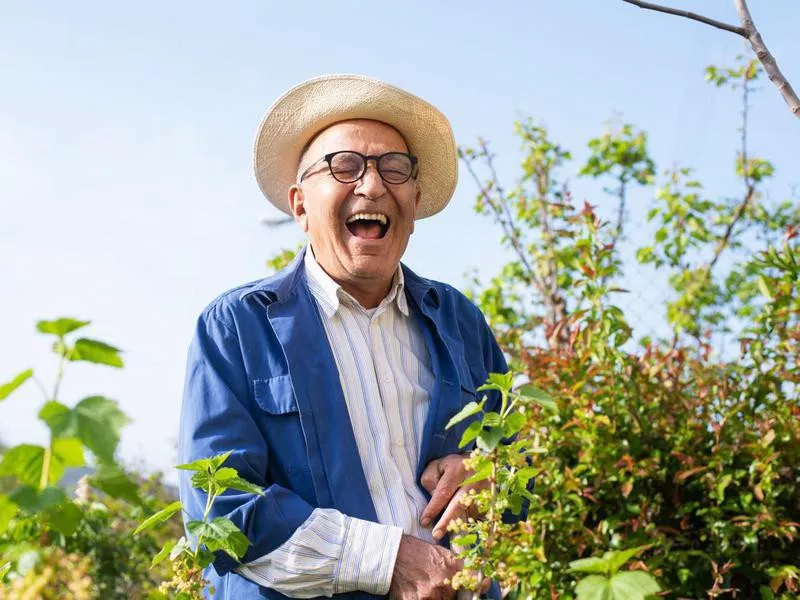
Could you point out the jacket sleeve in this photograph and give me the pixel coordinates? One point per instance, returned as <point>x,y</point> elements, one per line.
<point>215,418</point>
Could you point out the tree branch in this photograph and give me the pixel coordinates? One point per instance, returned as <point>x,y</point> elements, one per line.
<point>506,223</point>
<point>749,32</point>
<point>766,58</point>
<point>689,15</point>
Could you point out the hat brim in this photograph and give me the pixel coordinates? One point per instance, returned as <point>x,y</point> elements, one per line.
<point>313,105</point>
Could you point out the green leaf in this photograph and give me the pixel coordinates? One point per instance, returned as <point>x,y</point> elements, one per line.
<point>8,510</point>
<point>163,515</point>
<point>64,517</point>
<point>4,569</point>
<point>491,419</point>
<point>202,480</point>
<point>470,409</point>
<point>489,386</point>
<point>220,534</point>
<point>619,557</point>
<point>60,327</point>
<point>488,439</point>
<point>182,547</point>
<point>513,424</point>
<point>593,564</point>
<point>504,380</point>
<point>98,422</point>
<point>112,480</point>
<point>470,433</point>
<point>523,476</point>
<point>67,452</point>
<point>164,552</point>
<point>529,392</point>
<point>763,287</point>
<point>206,464</point>
<point>594,587</point>
<point>7,388</point>
<point>464,540</point>
<point>23,462</point>
<point>483,472</point>
<point>237,483</point>
<point>29,499</point>
<point>96,352</point>
<point>633,585</point>
<point>204,557</point>
<point>58,418</point>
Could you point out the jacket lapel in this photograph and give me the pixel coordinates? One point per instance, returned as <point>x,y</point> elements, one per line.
<point>444,353</point>
<point>332,452</point>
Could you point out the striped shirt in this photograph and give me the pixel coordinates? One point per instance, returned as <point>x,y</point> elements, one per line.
<point>385,372</point>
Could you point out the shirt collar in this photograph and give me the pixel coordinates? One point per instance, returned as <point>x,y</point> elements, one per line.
<point>329,294</point>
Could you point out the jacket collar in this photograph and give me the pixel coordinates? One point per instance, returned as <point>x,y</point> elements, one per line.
<point>284,284</point>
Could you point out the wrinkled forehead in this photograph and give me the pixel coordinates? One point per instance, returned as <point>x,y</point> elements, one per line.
<point>368,128</point>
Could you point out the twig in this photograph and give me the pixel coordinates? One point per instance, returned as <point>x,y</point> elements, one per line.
<point>750,187</point>
<point>689,15</point>
<point>508,227</point>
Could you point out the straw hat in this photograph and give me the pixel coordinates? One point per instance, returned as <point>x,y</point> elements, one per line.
<point>313,105</point>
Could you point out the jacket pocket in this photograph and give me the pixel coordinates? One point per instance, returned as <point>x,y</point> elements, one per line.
<point>275,395</point>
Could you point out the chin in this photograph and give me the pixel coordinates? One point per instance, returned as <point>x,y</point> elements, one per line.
<point>373,267</point>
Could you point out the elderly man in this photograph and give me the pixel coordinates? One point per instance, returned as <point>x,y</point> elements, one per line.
<point>331,382</point>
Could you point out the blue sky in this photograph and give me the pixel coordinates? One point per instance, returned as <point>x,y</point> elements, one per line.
<point>126,131</point>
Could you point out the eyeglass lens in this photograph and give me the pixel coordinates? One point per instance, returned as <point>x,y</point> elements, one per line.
<point>393,167</point>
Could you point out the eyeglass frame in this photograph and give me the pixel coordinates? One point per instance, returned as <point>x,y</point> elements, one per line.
<point>365,158</point>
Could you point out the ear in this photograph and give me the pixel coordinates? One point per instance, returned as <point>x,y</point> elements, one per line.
<point>417,200</point>
<point>297,206</point>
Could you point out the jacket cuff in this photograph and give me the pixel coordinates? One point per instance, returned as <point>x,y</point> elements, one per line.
<point>368,556</point>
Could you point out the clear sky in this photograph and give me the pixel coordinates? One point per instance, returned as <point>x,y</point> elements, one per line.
<point>126,129</point>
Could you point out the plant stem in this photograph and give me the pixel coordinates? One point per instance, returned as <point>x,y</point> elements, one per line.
<point>60,373</point>
<point>491,520</point>
<point>48,455</point>
<point>209,503</point>
<point>48,451</point>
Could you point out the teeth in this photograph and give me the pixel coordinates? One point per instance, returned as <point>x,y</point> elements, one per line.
<point>368,217</point>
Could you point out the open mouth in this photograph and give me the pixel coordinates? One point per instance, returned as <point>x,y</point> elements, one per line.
<point>368,226</point>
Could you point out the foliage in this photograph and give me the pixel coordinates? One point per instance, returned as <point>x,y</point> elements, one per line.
<point>680,448</point>
<point>508,468</point>
<point>282,259</point>
<point>53,545</point>
<point>190,558</point>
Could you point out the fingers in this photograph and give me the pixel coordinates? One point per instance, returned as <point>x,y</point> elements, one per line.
<point>430,476</point>
<point>448,484</point>
<point>454,509</point>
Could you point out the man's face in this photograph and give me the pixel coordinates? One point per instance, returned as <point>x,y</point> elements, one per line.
<point>360,253</point>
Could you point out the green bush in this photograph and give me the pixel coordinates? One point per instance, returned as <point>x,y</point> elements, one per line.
<point>56,545</point>
<point>683,453</point>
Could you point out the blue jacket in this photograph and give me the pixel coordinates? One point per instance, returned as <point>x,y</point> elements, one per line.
<point>261,381</point>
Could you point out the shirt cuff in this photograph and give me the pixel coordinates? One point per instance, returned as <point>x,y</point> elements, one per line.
<point>368,556</point>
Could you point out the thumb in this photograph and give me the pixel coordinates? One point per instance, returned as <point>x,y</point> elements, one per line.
<point>430,476</point>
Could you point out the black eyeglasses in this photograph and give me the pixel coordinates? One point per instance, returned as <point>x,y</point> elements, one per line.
<point>348,166</point>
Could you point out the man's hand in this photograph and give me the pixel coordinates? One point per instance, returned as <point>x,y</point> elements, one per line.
<point>443,478</point>
<point>421,569</point>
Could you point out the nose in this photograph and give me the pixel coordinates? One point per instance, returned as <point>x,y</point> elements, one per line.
<point>371,185</point>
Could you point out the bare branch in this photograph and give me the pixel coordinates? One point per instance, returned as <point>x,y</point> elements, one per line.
<point>508,226</point>
<point>723,242</point>
<point>689,15</point>
<point>766,58</point>
<point>275,222</point>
